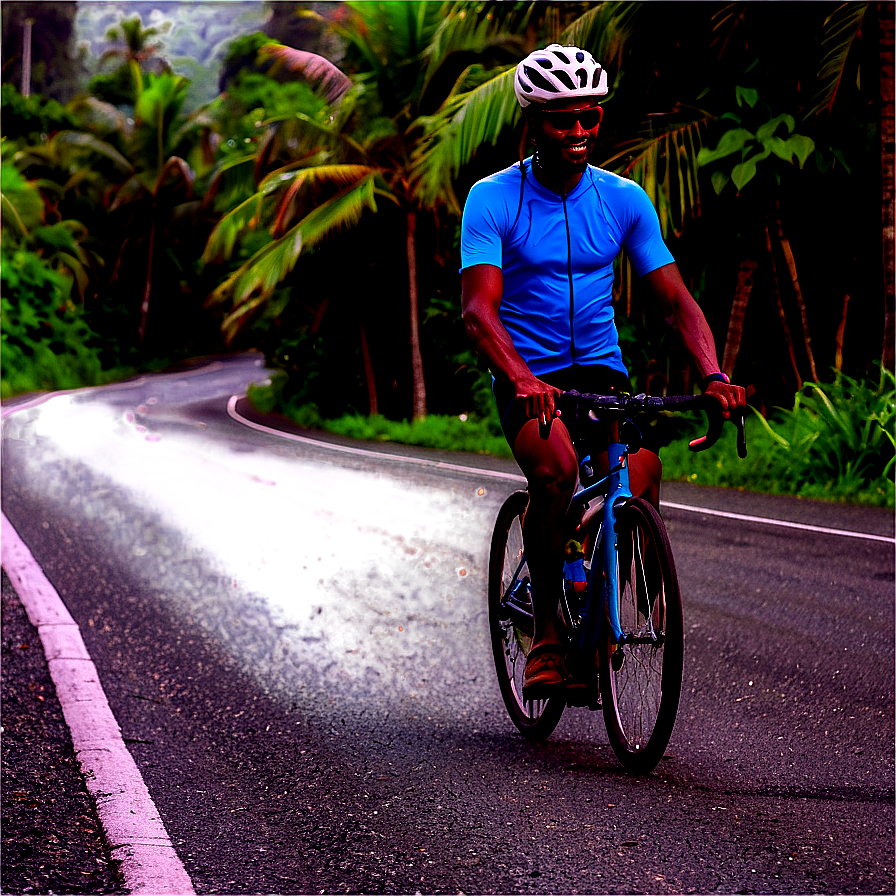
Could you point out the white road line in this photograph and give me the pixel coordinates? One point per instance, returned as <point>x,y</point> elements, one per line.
<point>365,452</point>
<point>350,449</point>
<point>131,823</point>
<point>784,523</point>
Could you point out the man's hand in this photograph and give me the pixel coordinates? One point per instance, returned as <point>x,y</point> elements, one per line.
<point>733,399</point>
<point>537,398</point>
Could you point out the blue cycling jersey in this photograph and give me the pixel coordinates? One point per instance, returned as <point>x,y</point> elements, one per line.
<point>556,254</point>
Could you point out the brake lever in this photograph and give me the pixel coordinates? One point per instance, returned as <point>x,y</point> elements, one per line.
<point>739,420</point>
<point>716,420</point>
<point>714,415</point>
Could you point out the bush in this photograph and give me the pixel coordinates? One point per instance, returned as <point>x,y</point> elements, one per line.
<point>836,443</point>
<point>46,343</point>
<point>452,433</point>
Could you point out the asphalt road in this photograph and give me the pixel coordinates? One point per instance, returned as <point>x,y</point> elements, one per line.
<point>293,641</point>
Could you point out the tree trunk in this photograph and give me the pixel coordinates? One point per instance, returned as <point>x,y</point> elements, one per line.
<point>885,15</point>
<point>788,339</point>
<point>369,377</point>
<point>738,312</point>
<point>791,267</point>
<point>416,356</point>
<point>144,305</point>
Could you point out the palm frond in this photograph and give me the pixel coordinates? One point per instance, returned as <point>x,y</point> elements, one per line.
<point>231,180</point>
<point>664,162</point>
<point>471,26</point>
<point>604,31</point>
<point>305,181</point>
<point>234,224</point>
<point>318,71</point>
<point>451,137</point>
<point>389,33</point>
<point>10,215</point>
<point>254,282</point>
<point>81,140</point>
<point>841,28</point>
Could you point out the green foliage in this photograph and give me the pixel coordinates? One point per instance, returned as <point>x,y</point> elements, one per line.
<point>31,118</point>
<point>837,443</point>
<point>774,136</point>
<point>840,435</point>
<point>22,204</point>
<point>46,343</point>
<point>461,432</point>
<point>159,100</point>
<point>116,87</point>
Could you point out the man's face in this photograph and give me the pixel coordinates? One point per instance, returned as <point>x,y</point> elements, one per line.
<point>565,132</point>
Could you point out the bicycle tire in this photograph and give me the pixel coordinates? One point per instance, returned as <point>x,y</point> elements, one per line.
<point>640,682</point>
<point>511,636</point>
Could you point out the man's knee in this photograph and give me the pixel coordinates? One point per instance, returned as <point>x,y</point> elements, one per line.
<point>553,479</point>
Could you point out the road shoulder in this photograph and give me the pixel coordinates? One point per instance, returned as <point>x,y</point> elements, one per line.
<point>52,839</point>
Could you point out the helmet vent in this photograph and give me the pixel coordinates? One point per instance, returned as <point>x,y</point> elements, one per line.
<point>582,75</point>
<point>580,56</point>
<point>562,57</point>
<point>539,80</point>
<point>595,78</point>
<point>564,78</point>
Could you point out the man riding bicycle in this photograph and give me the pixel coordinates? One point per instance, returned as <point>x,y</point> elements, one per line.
<point>538,242</point>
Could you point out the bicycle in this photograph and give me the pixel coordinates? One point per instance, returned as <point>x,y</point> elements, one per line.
<point>637,636</point>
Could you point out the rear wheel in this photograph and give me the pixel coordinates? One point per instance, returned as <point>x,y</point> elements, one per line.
<point>510,622</point>
<point>640,677</point>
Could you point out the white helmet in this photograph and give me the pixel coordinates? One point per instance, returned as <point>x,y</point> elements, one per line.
<point>558,73</point>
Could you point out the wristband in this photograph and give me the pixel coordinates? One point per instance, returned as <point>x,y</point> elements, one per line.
<point>714,378</point>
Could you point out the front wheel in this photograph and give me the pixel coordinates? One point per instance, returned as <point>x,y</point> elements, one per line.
<point>640,677</point>
<point>510,622</point>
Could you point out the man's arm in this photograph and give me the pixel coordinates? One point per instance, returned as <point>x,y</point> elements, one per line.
<point>683,314</point>
<point>482,291</point>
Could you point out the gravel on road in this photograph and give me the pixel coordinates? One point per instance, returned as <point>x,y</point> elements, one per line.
<point>51,840</point>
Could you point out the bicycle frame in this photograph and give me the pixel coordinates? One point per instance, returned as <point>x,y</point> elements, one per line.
<point>616,489</point>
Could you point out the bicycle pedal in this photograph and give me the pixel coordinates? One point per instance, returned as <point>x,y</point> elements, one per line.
<point>577,693</point>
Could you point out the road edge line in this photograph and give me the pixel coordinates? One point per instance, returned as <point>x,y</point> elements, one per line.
<point>133,828</point>
<point>350,449</point>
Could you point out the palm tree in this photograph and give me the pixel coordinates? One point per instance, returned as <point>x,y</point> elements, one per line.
<point>347,158</point>
<point>160,191</point>
<point>424,105</point>
<point>134,43</point>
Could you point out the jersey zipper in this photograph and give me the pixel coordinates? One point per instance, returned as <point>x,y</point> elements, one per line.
<point>572,335</point>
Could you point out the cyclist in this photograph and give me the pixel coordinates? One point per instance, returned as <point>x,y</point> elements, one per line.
<point>538,242</point>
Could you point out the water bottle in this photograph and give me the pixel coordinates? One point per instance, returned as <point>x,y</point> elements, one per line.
<point>574,578</point>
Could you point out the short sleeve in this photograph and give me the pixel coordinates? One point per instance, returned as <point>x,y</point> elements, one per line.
<point>644,241</point>
<point>480,233</point>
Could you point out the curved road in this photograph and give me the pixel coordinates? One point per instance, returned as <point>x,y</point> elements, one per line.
<point>292,638</point>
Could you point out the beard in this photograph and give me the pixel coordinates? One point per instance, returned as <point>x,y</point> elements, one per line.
<point>559,157</point>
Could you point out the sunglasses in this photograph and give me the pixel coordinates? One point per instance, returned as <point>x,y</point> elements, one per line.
<point>566,121</point>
